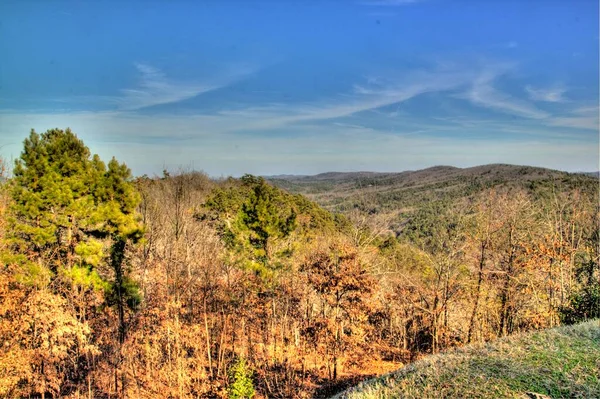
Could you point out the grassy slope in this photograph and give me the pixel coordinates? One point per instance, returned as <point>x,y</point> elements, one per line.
<point>562,362</point>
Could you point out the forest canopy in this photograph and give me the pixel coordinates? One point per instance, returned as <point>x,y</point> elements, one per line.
<point>185,286</point>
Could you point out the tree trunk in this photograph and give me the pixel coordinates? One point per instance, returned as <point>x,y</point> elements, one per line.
<point>477,293</point>
<point>117,257</point>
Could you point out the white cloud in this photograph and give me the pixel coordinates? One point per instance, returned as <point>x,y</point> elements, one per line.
<point>153,87</point>
<point>376,93</point>
<point>217,145</point>
<point>336,133</point>
<point>483,93</point>
<point>156,88</point>
<point>580,118</point>
<point>550,95</point>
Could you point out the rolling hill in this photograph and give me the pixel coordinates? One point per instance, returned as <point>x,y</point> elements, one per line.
<point>397,196</point>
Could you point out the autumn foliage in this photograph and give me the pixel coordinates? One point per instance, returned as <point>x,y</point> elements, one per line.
<point>182,286</point>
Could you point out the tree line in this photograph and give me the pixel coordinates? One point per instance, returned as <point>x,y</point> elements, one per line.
<point>184,286</point>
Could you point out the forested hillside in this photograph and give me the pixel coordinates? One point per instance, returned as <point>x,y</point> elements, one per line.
<point>183,286</point>
<point>393,199</point>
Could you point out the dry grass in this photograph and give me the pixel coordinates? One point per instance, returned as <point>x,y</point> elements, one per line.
<point>562,362</point>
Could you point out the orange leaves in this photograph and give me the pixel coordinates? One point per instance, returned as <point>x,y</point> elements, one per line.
<point>41,339</point>
<point>342,291</point>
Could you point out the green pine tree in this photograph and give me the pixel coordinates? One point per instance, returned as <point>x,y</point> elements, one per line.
<point>267,216</point>
<point>72,214</point>
<point>256,222</point>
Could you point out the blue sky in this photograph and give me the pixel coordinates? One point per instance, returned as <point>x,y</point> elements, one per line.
<point>302,87</point>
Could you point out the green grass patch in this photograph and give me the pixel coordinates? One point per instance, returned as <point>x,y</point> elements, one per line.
<point>563,362</point>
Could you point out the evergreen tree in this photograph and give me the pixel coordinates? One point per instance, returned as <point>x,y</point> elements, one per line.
<point>70,211</point>
<point>255,221</point>
<point>266,216</point>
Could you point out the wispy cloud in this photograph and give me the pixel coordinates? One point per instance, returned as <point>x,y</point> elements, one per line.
<point>340,132</point>
<point>152,87</point>
<point>554,95</point>
<point>155,88</point>
<point>148,144</point>
<point>375,93</point>
<point>484,94</point>
<point>580,118</point>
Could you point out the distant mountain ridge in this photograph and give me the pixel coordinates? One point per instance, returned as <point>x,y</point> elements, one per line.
<point>398,195</point>
<point>333,175</point>
<point>593,174</point>
<point>503,172</point>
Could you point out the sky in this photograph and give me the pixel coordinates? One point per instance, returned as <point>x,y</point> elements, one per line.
<point>306,86</point>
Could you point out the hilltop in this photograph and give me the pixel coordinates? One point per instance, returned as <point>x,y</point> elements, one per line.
<point>334,189</point>
<point>397,197</point>
<point>560,362</point>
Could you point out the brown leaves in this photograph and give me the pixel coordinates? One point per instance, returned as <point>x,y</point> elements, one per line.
<point>41,338</point>
<point>338,324</point>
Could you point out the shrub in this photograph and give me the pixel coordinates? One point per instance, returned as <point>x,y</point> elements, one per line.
<point>241,384</point>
